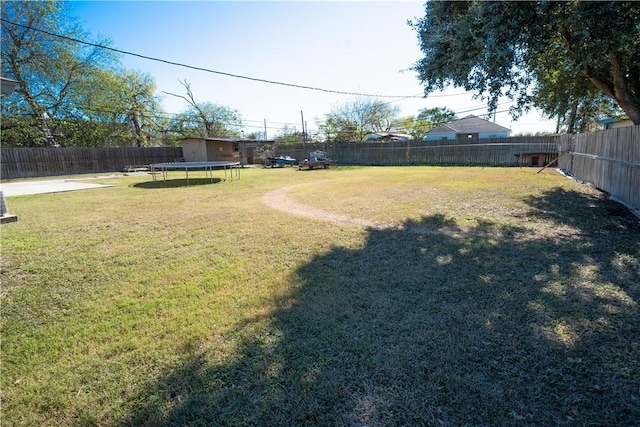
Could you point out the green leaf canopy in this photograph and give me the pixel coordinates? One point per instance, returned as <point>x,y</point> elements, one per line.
<point>522,49</point>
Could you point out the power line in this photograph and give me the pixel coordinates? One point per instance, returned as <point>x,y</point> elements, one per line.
<point>483,107</point>
<point>398,98</point>
<point>178,64</point>
<point>182,117</point>
<point>80,112</point>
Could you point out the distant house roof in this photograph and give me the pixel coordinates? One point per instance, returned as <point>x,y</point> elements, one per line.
<point>470,124</point>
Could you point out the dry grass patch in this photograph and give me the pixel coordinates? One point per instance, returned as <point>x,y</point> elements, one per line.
<point>172,305</point>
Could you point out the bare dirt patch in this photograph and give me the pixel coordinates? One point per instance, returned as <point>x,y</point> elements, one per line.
<point>279,199</point>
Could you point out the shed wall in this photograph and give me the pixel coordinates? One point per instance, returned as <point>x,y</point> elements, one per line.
<point>194,151</point>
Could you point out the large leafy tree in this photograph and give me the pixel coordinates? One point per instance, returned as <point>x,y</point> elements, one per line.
<point>69,93</point>
<point>355,119</point>
<point>529,50</point>
<point>49,69</point>
<point>570,97</point>
<point>115,99</point>
<point>137,100</point>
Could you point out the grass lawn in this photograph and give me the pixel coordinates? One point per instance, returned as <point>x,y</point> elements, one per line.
<point>411,296</point>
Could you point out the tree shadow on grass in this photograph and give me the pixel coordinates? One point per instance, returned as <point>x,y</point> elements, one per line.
<point>489,326</point>
<point>176,183</point>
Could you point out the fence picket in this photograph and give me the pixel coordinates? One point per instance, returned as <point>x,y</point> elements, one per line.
<point>609,159</point>
<point>31,162</point>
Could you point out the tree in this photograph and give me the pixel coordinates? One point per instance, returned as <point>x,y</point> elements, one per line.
<point>205,118</point>
<point>427,119</point>
<point>139,103</point>
<point>290,135</point>
<point>355,119</point>
<point>121,97</point>
<point>70,94</point>
<point>49,69</point>
<point>436,116</point>
<point>572,99</point>
<point>409,125</point>
<point>499,49</point>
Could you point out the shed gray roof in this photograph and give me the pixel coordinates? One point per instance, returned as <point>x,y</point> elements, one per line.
<point>470,124</point>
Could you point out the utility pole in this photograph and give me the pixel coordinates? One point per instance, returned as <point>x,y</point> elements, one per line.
<point>265,129</point>
<point>304,137</point>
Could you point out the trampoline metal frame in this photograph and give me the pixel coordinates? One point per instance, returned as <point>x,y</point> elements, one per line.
<point>208,167</point>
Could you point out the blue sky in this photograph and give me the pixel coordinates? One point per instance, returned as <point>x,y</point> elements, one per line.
<point>349,46</point>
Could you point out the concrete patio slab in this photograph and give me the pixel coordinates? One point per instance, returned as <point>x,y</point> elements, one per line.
<point>23,188</point>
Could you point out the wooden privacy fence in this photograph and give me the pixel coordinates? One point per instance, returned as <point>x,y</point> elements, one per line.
<point>609,159</point>
<point>480,152</point>
<point>30,162</point>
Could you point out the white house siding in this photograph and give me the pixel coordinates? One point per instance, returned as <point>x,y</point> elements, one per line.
<point>439,136</point>
<point>493,135</point>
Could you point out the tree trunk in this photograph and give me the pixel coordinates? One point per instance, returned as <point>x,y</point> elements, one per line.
<point>571,120</point>
<point>46,130</point>
<point>39,112</point>
<point>140,139</point>
<point>616,88</point>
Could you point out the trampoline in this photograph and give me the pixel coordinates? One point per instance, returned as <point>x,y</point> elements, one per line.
<point>208,167</point>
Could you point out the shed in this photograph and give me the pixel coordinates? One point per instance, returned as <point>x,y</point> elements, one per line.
<point>467,128</point>
<point>202,149</point>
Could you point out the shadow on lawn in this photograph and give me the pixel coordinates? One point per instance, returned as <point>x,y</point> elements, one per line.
<point>440,328</point>
<point>174,183</point>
